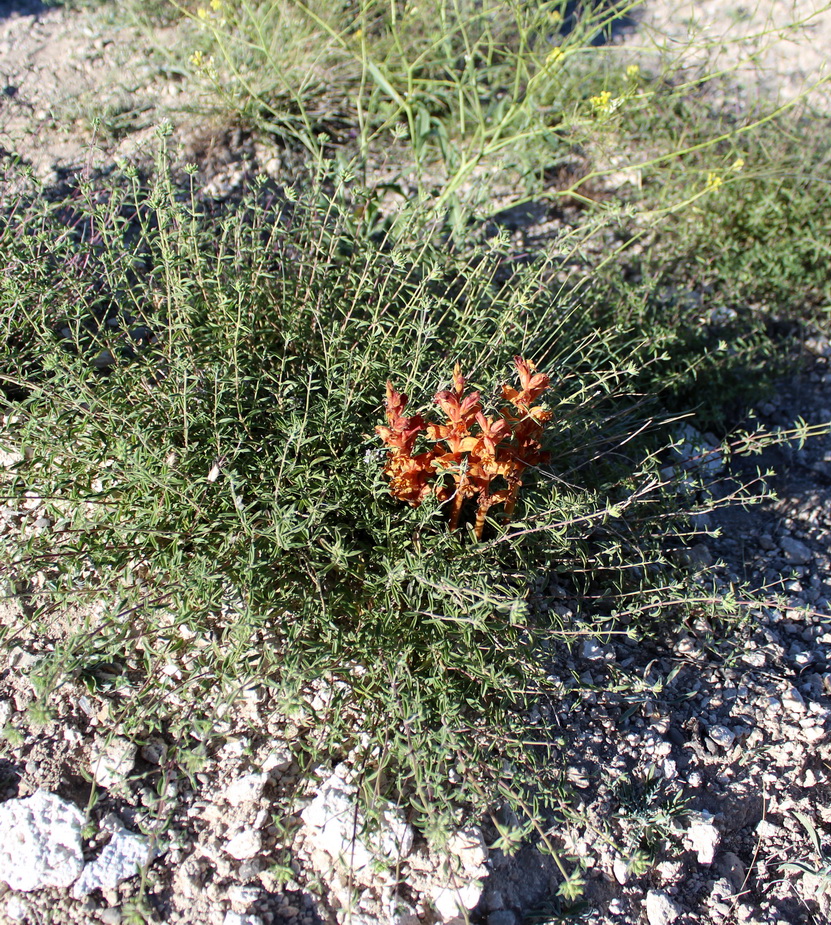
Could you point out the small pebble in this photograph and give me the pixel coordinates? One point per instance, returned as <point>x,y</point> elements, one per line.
<point>794,701</point>
<point>722,736</point>
<point>16,909</point>
<point>245,844</point>
<point>660,909</point>
<point>795,552</point>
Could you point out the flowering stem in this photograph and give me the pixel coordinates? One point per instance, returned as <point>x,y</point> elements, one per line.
<point>510,501</point>
<point>458,499</point>
<point>481,514</point>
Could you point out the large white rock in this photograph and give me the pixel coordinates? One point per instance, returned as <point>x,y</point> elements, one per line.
<point>695,450</point>
<point>245,845</point>
<point>332,819</point>
<point>450,902</point>
<point>122,858</point>
<point>277,760</point>
<point>393,839</point>
<point>16,910</point>
<point>40,842</point>
<point>794,701</point>
<point>722,735</point>
<point>9,458</point>
<point>469,846</point>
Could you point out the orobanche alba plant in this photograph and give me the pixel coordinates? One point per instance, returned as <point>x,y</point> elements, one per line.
<point>472,455</point>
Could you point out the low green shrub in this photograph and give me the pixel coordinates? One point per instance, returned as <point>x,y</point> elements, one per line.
<point>198,399</point>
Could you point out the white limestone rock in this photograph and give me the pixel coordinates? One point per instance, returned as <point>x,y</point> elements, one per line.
<point>793,701</point>
<point>242,896</point>
<point>277,760</point>
<point>112,763</point>
<point>703,838</point>
<point>40,842</point>
<point>16,909</point>
<point>722,736</point>
<point>592,650</point>
<point>332,818</point>
<point>469,846</point>
<point>245,844</point>
<point>338,829</point>
<point>393,839</point>
<point>453,902</point>
<point>123,857</point>
<point>621,871</point>
<point>696,451</point>
<point>234,918</point>
<point>247,789</point>
<point>9,458</point>
<point>660,909</point>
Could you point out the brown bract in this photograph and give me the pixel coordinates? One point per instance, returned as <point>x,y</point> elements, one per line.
<point>472,455</point>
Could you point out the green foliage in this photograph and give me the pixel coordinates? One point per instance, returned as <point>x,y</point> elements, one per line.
<point>647,811</point>
<point>819,866</point>
<point>436,92</point>
<point>198,397</point>
<point>706,358</point>
<point>764,239</point>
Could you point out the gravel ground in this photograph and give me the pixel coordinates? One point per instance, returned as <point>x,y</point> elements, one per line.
<point>772,48</point>
<point>736,730</point>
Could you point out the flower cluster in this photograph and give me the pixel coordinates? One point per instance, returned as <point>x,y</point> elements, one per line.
<point>714,182</point>
<point>472,455</point>
<point>603,104</point>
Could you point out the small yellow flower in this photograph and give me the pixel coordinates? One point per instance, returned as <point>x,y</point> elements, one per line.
<point>737,164</point>
<point>714,181</point>
<point>633,71</point>
<point>216,5</point>
<point>554,57</point>
<point>602,103</point>
<point>197,59</point>
<point>202,12</point>
<point>555,17</point>
<point>358,34</point>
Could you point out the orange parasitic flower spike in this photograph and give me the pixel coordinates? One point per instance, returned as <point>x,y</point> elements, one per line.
<point>530,379</point>
<point>459,380</point>
<point>533,385</point>
<point>460,411</point>
<point>469,449</point>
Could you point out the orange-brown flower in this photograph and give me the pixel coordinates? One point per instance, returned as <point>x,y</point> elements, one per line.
<point>402,431</point>
<point>533,385</point>
<point>461,412</point>
<point>470,450</point>
<point>410,476</point>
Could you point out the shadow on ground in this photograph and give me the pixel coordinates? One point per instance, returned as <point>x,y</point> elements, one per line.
<point>22,8</point>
